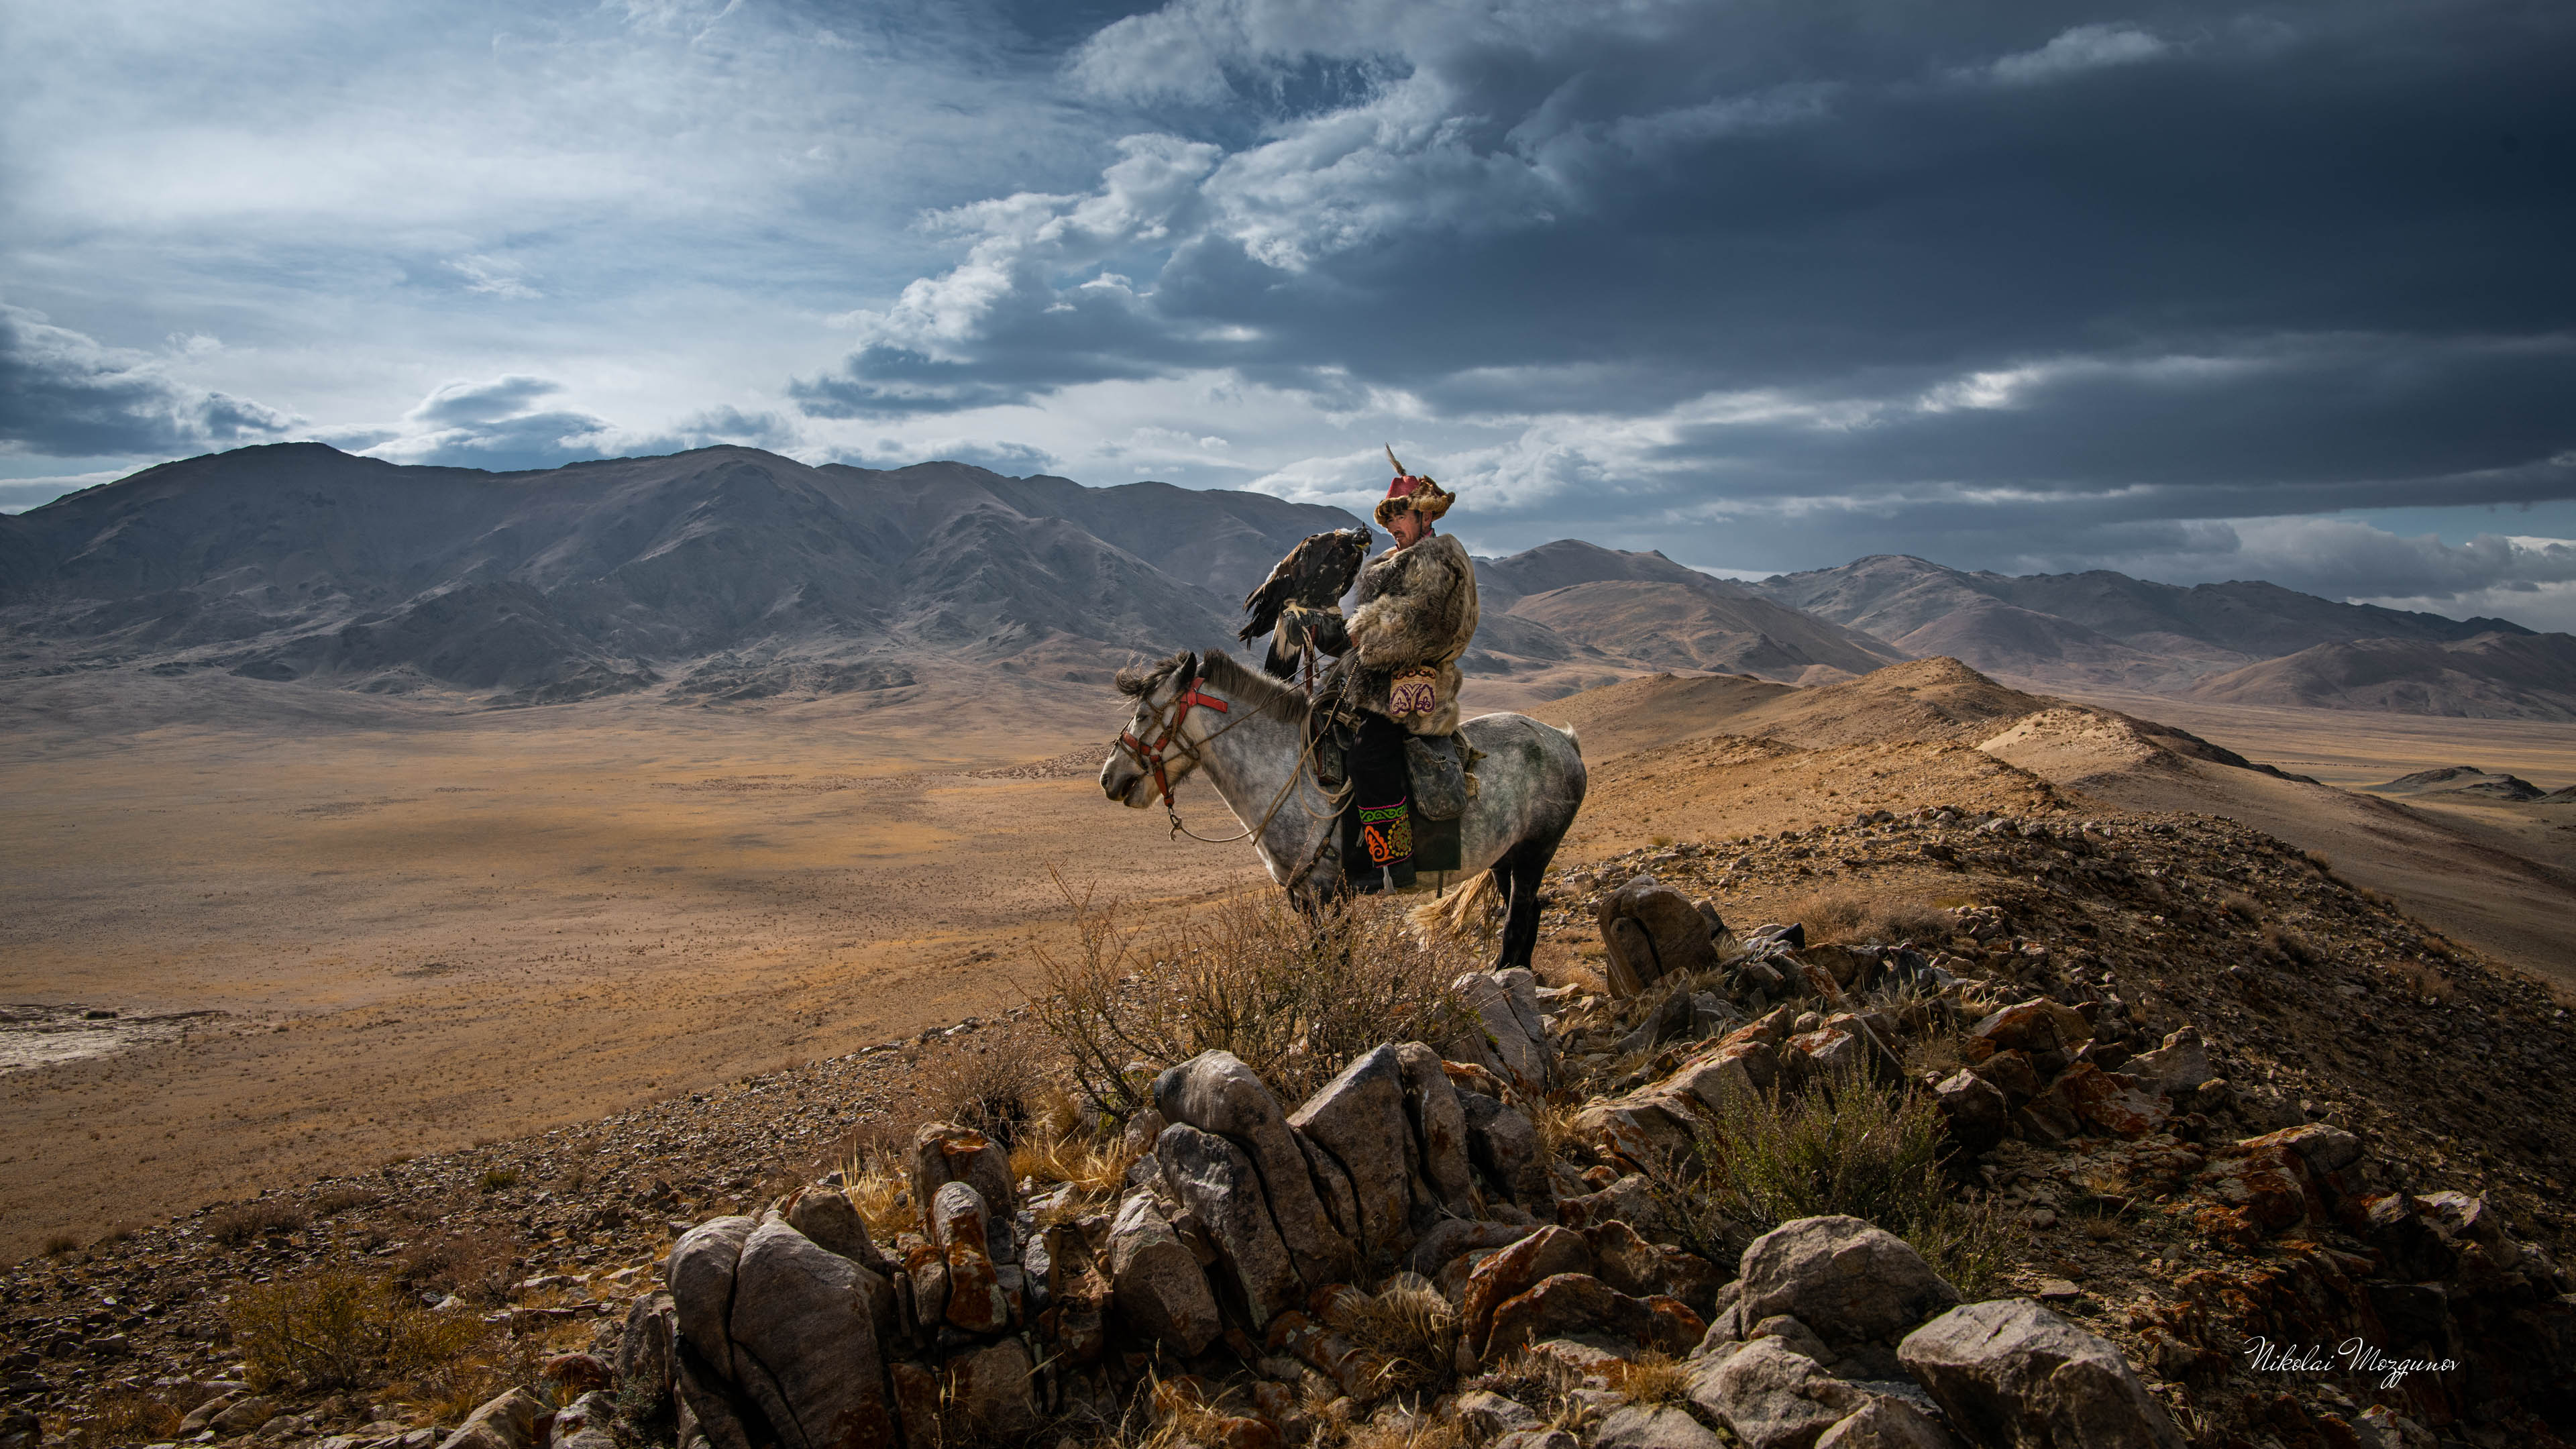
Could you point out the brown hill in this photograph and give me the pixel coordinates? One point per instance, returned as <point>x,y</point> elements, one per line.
<point>1703,758</point>
<point>2491,676</point>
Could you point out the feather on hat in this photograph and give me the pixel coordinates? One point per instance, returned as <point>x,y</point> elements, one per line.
<point>1412,491</point>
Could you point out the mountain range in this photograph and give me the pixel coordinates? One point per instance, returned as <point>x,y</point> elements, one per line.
<point>731,573</point>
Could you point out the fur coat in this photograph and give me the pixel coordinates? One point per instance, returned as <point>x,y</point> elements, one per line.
<point>1416,606</point>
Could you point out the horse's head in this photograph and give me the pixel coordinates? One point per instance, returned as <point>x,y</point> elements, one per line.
<point>1160,745</point>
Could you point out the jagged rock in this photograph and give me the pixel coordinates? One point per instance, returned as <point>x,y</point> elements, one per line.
<point>1847,1280</point>
<point>943,1152</point>
<point>2051,1033</point>
<point>1215,1092</point>
<point>1792,1334</point>
<point>925,1269</point>
<point>1973,1111</point>
<point>1508,1045</point>
<point>1504,1146</point>
<point>1771,1395</point>
<point>2176,1068</point>
<point>1513,1271</point>
<point>917,1403</point>
<point>1642,1269</point>
<point>1652,1123</point>
<point>2108,1101</point>
<point>2011,1073</point>
<point>584,1423</point>
<point>1651,931</point>
<point>1447,1240</point>
<point>826,1216</point>
<point>700,1275</point>
<point>644,1347</point>
<point>1142,1129</point>
<point>960,1225</point>
<point>805,1344</point>
<point>1826,1051</point>
<point>1439,1127</point>
<point>1537,1439</point>
<point>507,1422</point>
<point>2413,1249</point>
<point>1358,1118</point>
<point>992,1389</point>
<point>1742,1068</point>
<point>1575,1303</point>
<point>1627,1199</point>
<point>1886,1423</point>
<point>1653,1426</point>
<point>1216,1182</point>
<point>1158,1285</point>
<point>241,1415</point>
<point>2012,1372</point>
<point>1485,1414</point>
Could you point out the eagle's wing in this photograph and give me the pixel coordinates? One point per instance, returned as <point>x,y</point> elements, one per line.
<point>1286,585</point>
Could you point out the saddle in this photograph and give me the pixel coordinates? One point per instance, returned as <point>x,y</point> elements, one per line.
<point>1440,780</point>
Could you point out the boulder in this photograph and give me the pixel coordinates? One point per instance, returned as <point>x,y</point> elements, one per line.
<point>1642,1269</point>
<point>709,1408</point>
<point>1503,1144</point>
<point>826,1215</point>
<point>241,1415</point>
<point>1653,1426</point>
<point>1439,1133</point>
<point>1215,1092</point>
<point>1886,1423</point>
<point>1651,931</point>
<point>585,1423</point>
<point>805,1344</point>
<point>993,1389</point>
<point>644,1347</point>
<point>1448,1240</point>
<point>1216,1182</point>
<point>700,1273</point>
<point>1771,1395</point>
<point>1578,1303</point>
<point>1157,1283</point>
<point>1519,1053</point>
<point>1485,1414</point>
<point>2011,1073</point>
<point>508,1422</point>
<point>2109,1101</point>
<point>1652,1124</point>
<point>1358,1119</point>
<point>1627,1199</point>
<point>2176,1068</point>
<point>1974,1113</point>
<point>1847,1280</point>
<point>961,1227</point>
<point>1793,1335</point>
<point>2012,1372</point>
<point>943,1152</point>
<point>1537,1439</point>
<point>1516,1269</point>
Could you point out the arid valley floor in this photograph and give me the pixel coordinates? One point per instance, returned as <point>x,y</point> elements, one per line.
<point>418,925</point>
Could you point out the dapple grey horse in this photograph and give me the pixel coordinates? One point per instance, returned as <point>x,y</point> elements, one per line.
<point>1248,733</point>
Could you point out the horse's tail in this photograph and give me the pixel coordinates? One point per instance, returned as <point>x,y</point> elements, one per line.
<point>1458,915</point>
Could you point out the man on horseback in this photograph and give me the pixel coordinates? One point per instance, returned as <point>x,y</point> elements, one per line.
<point>1416,614</point>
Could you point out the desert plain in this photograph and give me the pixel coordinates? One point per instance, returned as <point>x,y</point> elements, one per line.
<point>337,929</point>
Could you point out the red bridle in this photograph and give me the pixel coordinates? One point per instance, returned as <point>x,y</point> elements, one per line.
<point>1151,756</point>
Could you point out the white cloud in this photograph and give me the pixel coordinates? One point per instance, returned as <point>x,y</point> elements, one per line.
<point>2086,47</point>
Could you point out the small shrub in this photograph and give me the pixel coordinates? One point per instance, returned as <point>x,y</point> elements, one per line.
<point>1407,1333</point>
<point>1844,1145</point>
<point>496,1179</point>
<point>2290,946</point>
<point>880,1188</point>
<point>59,1244</point>
<point>236,1226</point>
<point>476,1266</point>
<point>2243,907</point>
<point>127,1415</point>
<point>339,1328</point>
<point>988,1082</point>
<point>1652,1379</point>
<point>1295,998</point>
<point>1855,917</point>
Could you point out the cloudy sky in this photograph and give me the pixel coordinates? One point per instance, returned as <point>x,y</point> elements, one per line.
<point>2191,291</point>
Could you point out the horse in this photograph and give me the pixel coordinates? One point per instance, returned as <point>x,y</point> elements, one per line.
<point>1249,733</point>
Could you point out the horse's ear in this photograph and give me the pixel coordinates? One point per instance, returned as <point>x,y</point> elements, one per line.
<point>1189,675</point>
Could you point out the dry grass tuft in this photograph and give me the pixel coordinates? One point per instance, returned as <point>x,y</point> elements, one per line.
<point>237,1226</point>
<point>1408,1332</point>
<point>1295,998</point>
<point>476,1266</point>
<point>1844,916</point>
<point>1095,1166</point>
<point>989,1081</point>
<point>1652,1379</point>
<point>334,1200</point>
<point>60,1244</point>
<point>880,1187</point>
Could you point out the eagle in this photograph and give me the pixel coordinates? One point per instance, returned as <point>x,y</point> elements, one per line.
<point>1314,576</point>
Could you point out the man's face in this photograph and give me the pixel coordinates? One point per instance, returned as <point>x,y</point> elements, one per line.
<point>1407,527</point>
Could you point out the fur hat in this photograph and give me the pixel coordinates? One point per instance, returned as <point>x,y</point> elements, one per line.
<point>1412,491</point>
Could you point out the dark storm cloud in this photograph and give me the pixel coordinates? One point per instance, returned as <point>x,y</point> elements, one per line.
<point>64,395</point>
<point>1992,279</point>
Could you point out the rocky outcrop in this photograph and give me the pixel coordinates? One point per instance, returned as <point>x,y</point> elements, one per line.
<point>2012,1372</point>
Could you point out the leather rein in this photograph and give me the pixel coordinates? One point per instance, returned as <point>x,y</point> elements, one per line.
<point>1167,740</point>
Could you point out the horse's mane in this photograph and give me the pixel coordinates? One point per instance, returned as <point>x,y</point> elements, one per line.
<point>1250,687</point>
